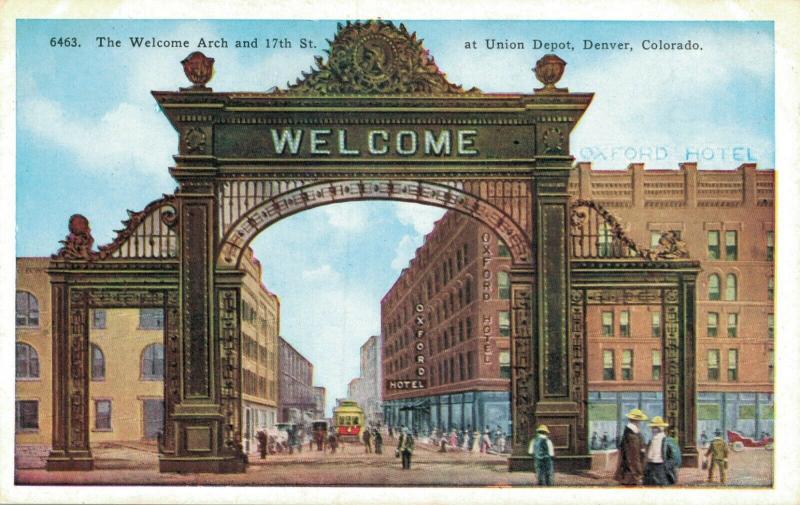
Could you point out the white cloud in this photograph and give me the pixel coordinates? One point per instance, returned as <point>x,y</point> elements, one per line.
<point>324,273</point>
<point>126,138</point>
<point>421,217</point>
<point>346,216</point>
<point>405,251</point>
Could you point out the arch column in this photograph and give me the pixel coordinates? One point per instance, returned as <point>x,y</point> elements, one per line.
<point>204,425</point>
<point>70,311</point>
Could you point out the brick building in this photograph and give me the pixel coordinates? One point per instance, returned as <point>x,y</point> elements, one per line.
<point>127,362</point>
<point>296,398</point>
<point>445,325</point>
<point>726,218</point>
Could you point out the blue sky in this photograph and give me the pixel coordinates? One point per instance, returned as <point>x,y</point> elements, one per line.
<point>90,138</point>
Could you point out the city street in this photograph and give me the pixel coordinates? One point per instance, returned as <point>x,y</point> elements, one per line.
<point>137,464</point>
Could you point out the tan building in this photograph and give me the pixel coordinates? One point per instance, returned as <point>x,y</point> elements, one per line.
<point>127,362</point>
<point>727,220</point>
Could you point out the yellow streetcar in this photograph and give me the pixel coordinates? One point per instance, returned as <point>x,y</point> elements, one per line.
<point>348,420</point>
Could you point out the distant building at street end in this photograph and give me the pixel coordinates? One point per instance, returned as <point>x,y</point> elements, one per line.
<point>296,398</point>
<point>366,389</point>
<point>446,325</point>
<point>319,402</point>
<point>727,220</point>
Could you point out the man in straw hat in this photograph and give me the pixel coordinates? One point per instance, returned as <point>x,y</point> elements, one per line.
<point>718,454</point>
<point>541,448</point>
<point>663,456</point>
<point>629,470</point>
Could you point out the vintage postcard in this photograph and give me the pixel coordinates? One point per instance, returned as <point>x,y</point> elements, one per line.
<point>295,256</point>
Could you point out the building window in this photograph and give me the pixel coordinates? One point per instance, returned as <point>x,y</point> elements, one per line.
<point>502,249</point>
<point>733,369</point>
<point>459,260</point>
<point>771,326</point>
<point>505,364</point>
<point>99,319</point>
<point>713,245</point>
<point>98,364</point>
<point>468,291</point>
<point>102,415</point>
<point>469,328</point>
<point>504,322</point>
<point>627,364</point>
<point>655,324</point>
<point>461,331</point>
<point>771,365</point>
<point>730,288</point>
<point>608,365</point>
<point>471,365</point>
<point>771,288</point>
<point>604,240</point>
<point>770,245</point>
<point>713,287</point>
<point>713,364</point>
<point>27,309</point>
<point>27,362</point>
<point>730,245</point>
<point>503,286</point>
<point>153,362</point>
<point>713,323</point>
<point>656,374</point>
<point>733,325</point>
<point>625,324</point>
<point>655,238</point>
<point>608,324</point>
<point>27,415</point>
<point>151,319</point>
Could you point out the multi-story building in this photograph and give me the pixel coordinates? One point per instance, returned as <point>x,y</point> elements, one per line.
<point>366,389</point>
<point>260,330</point>
<point>726,218</point>
<point>296,396</point>
<point>127,362</point>
<point>319,402</point>
<point>445,325</point>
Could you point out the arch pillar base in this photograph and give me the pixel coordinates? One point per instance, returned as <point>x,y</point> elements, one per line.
<point>59,461</point>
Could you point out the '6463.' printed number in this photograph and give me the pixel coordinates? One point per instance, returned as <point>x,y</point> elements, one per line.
<point>64,42</point>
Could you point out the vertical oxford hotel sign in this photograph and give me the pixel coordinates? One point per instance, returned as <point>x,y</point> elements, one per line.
<point>376,120</point>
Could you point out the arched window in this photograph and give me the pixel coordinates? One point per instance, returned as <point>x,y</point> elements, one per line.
<point>27,362</point>
<point>713,287</point>
<point>27,309</point>
<point>153,362</point>
<point>98,364</point>
<point>604,240</point>
<point>730,288</point>
<point>503,286</point>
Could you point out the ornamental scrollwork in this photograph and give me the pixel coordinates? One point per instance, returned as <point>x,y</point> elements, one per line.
<point>375,57</point>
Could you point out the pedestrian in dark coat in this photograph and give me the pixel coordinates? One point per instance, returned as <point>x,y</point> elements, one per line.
<point>405,448</point>
<point>261,436</point>
<point>631,446</point>
<point>378,438</point>
<point>367,441</point>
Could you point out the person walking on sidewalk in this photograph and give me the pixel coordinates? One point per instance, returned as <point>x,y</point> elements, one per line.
<point>405,448</point>
<point>378,438</point>
<point>663,456</point>
<point>366,438</point>
<point>541,448</point>
<point>631,446</point>
<point>718,454</point>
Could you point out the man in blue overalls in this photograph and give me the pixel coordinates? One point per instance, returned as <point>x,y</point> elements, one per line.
<point>541,448</point>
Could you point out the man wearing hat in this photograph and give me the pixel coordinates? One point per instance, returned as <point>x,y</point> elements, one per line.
<point>541,448</point>
<point>663,456</point>
<point>718,453</point>
<point>629,470</point>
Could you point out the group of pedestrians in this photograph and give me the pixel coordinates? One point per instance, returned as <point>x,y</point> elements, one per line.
<point>372,437</point>
<point>653,464</point>
<point>468,440</point>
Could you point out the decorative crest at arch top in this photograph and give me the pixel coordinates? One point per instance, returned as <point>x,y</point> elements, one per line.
<point>375,57</point>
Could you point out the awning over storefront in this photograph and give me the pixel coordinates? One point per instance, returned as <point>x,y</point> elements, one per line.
<point>419,405</point>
